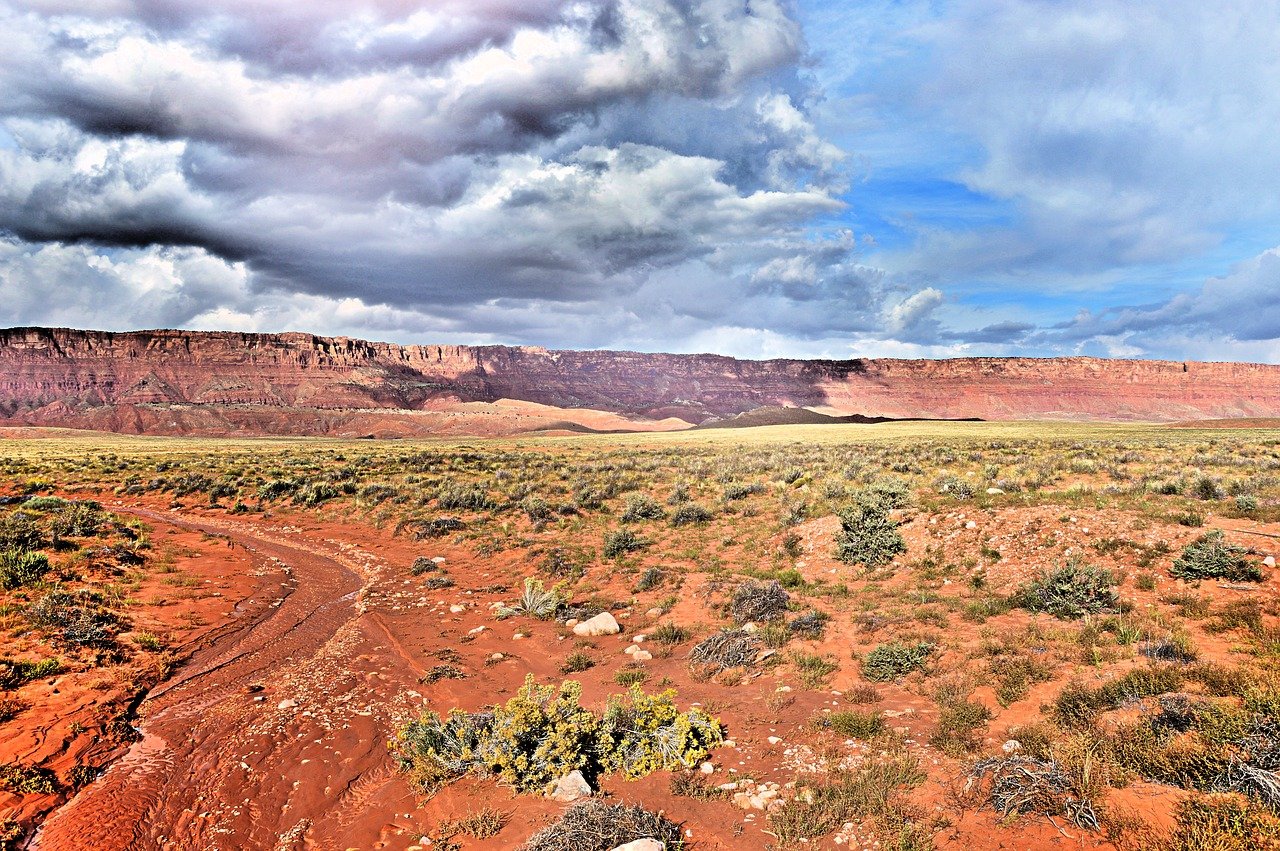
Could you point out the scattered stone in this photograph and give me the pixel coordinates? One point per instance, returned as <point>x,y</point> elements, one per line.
<point>476,631</point>
<point>707,768</point>
<point>655,612</point>
<point>994,491</point>
<point>1269,561</point>
<point>602,624</point>
<point>642,845</point>
<point>1012,746</point>
<point>571,787</point>
<point>456,609</point>
<point>641,655</point>
<point>287,704</point>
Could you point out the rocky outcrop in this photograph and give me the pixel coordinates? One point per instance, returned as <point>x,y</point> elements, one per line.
<point>222,382</point>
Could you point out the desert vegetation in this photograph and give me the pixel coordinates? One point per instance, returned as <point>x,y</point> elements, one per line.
<point>911,635</point>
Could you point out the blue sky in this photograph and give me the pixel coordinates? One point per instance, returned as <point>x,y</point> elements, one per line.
<point>761,178</point>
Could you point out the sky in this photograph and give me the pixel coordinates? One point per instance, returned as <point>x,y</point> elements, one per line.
<point>757,178</point>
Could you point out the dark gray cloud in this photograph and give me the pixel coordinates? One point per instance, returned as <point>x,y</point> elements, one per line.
<point>468,166</point>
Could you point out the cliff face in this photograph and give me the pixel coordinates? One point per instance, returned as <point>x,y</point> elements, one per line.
<point>179,381</point>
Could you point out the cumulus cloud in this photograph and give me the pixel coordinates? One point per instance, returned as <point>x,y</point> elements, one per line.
<point>485,166</point>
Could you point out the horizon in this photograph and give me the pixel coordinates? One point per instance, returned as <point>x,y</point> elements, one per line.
<point>853,357</point>
<point>778,179</point>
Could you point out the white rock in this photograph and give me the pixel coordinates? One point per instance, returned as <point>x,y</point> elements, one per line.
<point>456,609</point>
<point>972,524</point>
<point>437,560</point>
<point>994,491</point>
<point>476,631</point>
<point>639,639</point>
<point>655,612</point>
<point>773,740</point>
<point>1269,561</point>
<point>750,627</point>
<point>602,624</point>
<point>571,787</point>
<point>642,845</point>
<point>641,655</point>
<point>631,650</point>
<point>1012,746</point>
<point>287,704</point>
<point>707,768</point>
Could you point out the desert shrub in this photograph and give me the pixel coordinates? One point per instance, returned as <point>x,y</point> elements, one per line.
<point>314,493</point>
<point>543,733</point>
<point>669,633</point>
<point>868,536</point>
<point>873,792</point>
<point>422,565</point>
<point>27,779</point>
<point>814,669</point>
<point>76,520</point>
<point>76,618</point>
<point>622,541</point>
<point>895,659</point>
<point>19,568</point>
<point>436,528</point>
<point>734,648</point>
<point>1015,675</point>
<point>1019,785</point>
<point>535,601</point>
<point>1206,487</point>
<point>690,514</point>
<point>650,579</point>
<point>463,498</point>
<point>16,672</point>
<point>741,490</point>
<point>957,487</point>
<point>1246,503</point>
<point>631,676</point>
<point>811,624</point>
<point>1211,557</point>
<point>1223,823</point>
<point>1144,582</point>
<point>536,508</point>
<point>1078,705</point>
<point>9,708</point>
<point>642,733</point>
<point>576,662</point>
<point>958,726</point>
<point>639,507</point>
<point>759,601</point>
<point>20,531</point>
<point>854,723</point>
<point>481,824</point>
<point>1070,591</point>
<point>564,562</point>
<point>595,825</point>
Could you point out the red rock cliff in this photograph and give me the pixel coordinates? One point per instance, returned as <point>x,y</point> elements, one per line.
<point>119,381</point>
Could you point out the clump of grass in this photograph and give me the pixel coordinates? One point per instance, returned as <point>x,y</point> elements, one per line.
<point>19,568</point>
<point>810,625</point>
<point>1211,557</point>
<point>576,662</point>
<point>481,824</point>
<point>894,660</point>
<point>1222,822</point>
<point>27,779</point>
<point>628,677</point>
<point>873,792</point>
<point>759,602</point>
<point>814,669</point>
<point>650,579</point>
<point>690,514</point>
<point>958,725</point>
<point>670,634</point>
<point>855,724</point>
<point>1071,591</point>
<point>594,825</point>
<point>688,784</point>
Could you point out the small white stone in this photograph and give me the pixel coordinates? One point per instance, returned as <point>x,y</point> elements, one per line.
<point>1269,561</point>
<point>287,704</point>
<point>707,768</point>
<point>602,624</point>
<point>457,609</point>
<point>641,655</point>
<point>476,631</point>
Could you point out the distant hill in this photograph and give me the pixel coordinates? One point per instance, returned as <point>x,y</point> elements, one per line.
<point>186,382</point>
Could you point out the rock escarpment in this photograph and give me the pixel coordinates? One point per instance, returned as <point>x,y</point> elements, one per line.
<point>222,382</point>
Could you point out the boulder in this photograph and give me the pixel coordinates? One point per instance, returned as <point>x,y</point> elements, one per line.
<point>602,624</point>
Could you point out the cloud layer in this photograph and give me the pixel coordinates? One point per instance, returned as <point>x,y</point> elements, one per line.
<point>657,174</point>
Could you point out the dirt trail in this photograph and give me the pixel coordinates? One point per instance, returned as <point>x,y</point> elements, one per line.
<point>273,735</point>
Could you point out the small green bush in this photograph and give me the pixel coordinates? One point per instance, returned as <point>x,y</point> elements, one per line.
<point>868,536</point>
<point>16,672</point>
<point>895,659</point>
<point>1211,557</point>
<point>1071,591</point>
<point>622,541</point>
<point>642,507</point>
<point>543,733</point>
<point>854,723</point>
<point>690,514</point>
<point>20,531</point>
<point>19,568</point>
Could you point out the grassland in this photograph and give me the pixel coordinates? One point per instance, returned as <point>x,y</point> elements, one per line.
<point>961,633</point>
